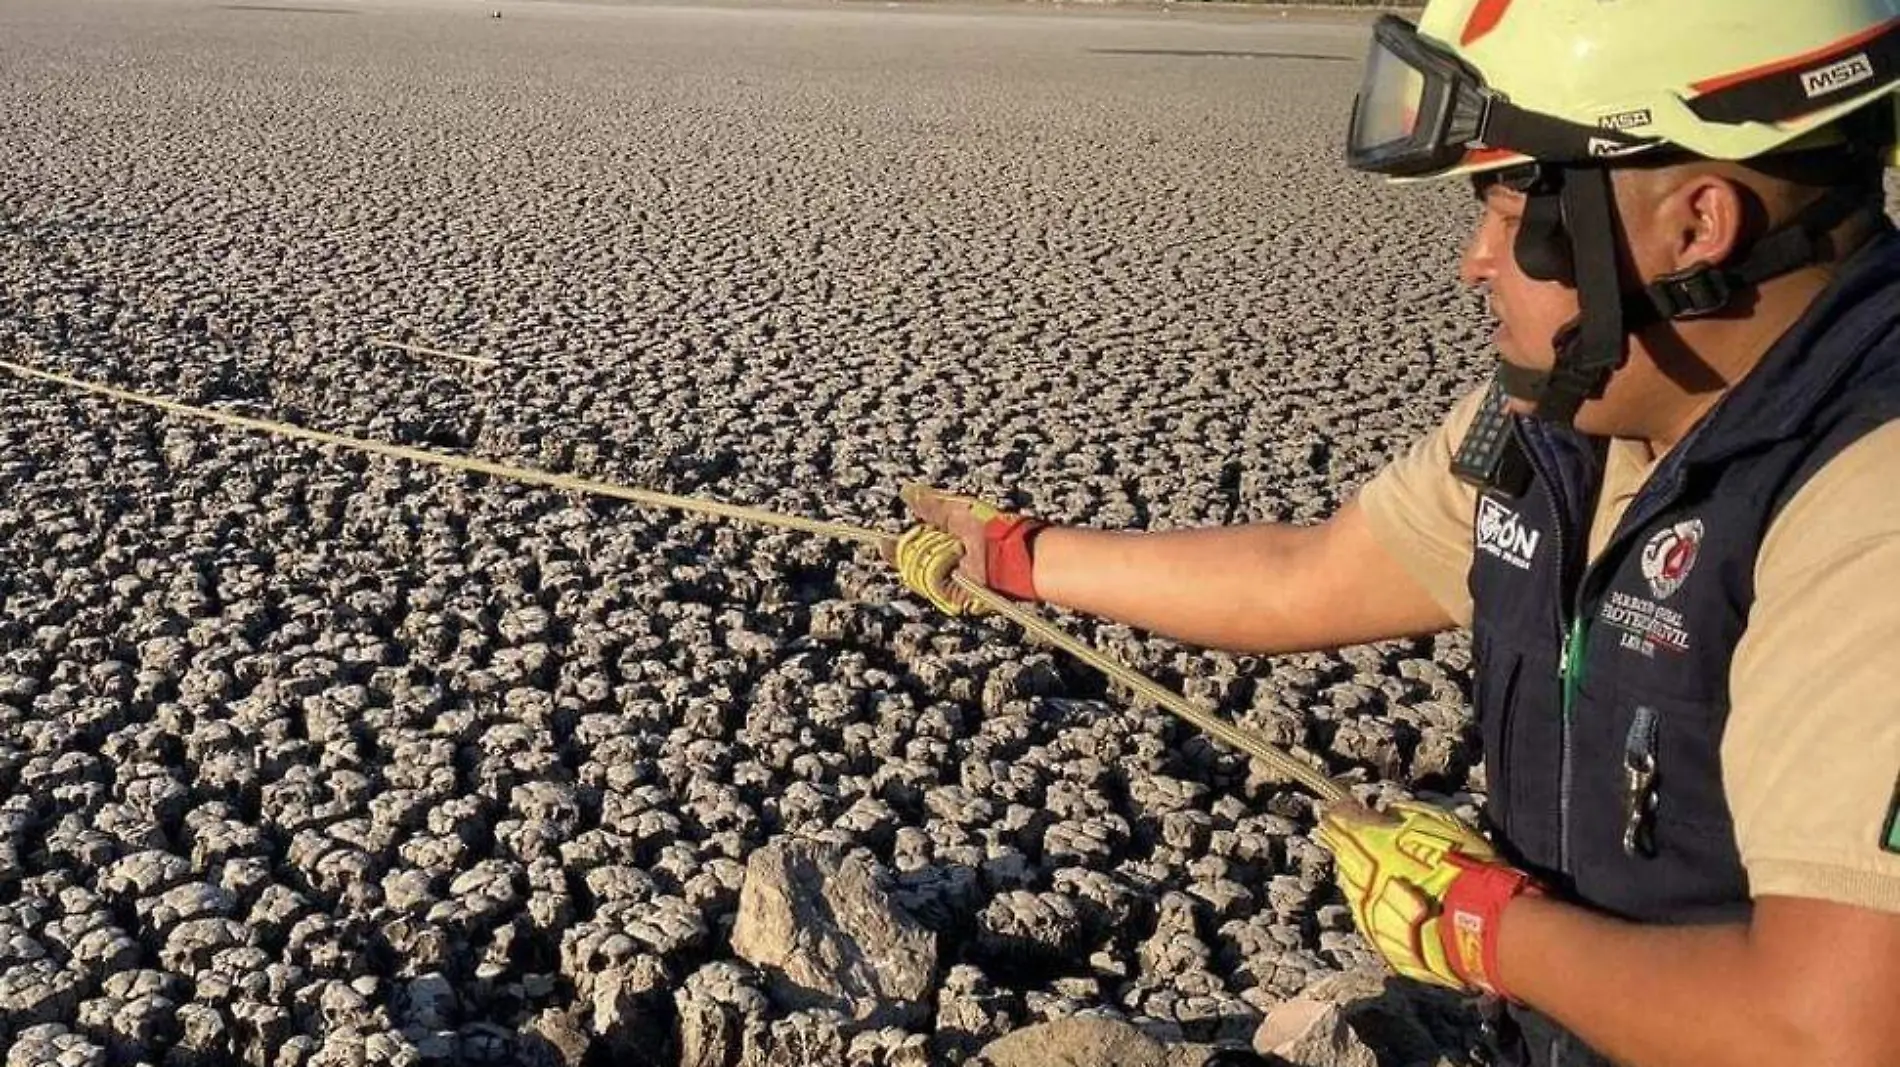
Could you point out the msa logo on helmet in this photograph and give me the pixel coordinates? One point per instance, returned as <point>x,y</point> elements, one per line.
<point>1625,121</point>
<point>1850,71</point>
<point>1502,533</point>
<point>1670,556</point>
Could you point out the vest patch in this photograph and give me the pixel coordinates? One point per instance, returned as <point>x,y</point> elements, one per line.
<point>1644,626</point>
<point>1502,533</point>
<point>1670,556</point>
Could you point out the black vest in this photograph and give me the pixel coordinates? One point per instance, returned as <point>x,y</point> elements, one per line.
<point>1602,691</point>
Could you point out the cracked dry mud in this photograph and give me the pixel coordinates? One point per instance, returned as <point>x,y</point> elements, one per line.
<point>312,759</point>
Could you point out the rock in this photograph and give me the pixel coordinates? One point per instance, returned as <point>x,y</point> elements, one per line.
<point>557,1038</point>
<point>889,1047</point>
<point>204,1038</point>
<point>1312,1033</point>
<point>1089,1042</point>
<point>51,1044</point>
<point>38,992</point>
<point>970,1013</point>
<point>1032,929</point>
<point>803,1038</point>
<point>721,1013</point>
<point>1402,1022</point>
<point>428,1002</point>
<point>826,935</point>
<point>629,1007</point>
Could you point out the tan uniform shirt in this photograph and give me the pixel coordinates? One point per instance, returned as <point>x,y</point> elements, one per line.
<point>1811,756</point>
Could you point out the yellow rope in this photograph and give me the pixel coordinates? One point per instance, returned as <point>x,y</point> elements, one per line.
<point>1275,758</point>
<point>420,350</point>
<point>528,475</point>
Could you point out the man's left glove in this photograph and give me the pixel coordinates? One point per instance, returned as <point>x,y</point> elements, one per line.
<point>1427,891</point>
<point>991,547</point>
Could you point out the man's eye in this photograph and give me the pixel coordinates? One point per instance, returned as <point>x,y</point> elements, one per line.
<point>1509,217</point>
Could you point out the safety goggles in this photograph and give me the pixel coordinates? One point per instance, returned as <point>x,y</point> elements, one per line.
<point>1422,111</point>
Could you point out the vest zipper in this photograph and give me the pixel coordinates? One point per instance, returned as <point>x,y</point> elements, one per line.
<point>1570,656</point>
<point>1570,674</point>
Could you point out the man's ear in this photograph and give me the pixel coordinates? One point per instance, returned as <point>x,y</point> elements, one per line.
<point>1706,219</point>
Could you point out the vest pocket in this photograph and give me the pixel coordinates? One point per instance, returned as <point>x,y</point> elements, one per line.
<point>1494,701</point>
<point>1519,705</point>
<point>1651,832</point>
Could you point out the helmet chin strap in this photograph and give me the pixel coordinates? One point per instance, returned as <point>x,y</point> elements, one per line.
<point>1594,345</point>
<point>1569,233</point>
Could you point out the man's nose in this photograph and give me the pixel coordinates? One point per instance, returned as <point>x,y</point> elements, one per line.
<point>1479,263</point>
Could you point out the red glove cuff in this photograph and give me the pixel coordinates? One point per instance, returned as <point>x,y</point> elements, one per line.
<point>1008,555</point>
<point>1473,910</point>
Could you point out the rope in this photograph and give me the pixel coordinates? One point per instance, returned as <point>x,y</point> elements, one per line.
<point>1274,758</point>
<point>1270,755</point>
<point>527,475</point>
<point>421,350</point>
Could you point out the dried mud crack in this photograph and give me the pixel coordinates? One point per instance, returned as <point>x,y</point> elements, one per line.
<point>310,759</point>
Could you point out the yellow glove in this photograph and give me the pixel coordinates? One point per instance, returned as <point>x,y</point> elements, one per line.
<point>990,546</point>
<point>1427,891</point>
<point>926,557</point>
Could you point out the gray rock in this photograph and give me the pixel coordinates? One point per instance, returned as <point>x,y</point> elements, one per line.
<point>38,992</point>
<point>1311,1033</point>
<point>970,1013</point>
<point>52,1045</point>
<point>1038,929</point>
<point>191,946</point>
<point>556,1038</point>
<point>815,921</point>
<point>1089,1042</point>
<point>813,1035</point>
<point>428,1002</point>
<point>128,1027</point>
<point>192,900</point>
<point>204,1037</point>
<point>722,1013</point>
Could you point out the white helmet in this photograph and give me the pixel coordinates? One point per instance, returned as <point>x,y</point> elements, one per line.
<point>1564,91</point>
<point>1481,84</point>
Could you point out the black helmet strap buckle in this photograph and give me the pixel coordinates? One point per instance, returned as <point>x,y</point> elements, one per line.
<point>1704,290</point>
<point>1697,292</point>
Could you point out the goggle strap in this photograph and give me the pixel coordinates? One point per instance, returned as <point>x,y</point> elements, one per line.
<point>1554,140</point>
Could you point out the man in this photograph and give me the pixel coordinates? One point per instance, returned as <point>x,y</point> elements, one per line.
<point>1670,524</point>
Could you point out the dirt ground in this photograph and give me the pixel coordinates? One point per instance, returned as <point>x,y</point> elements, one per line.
<point>305,757</point>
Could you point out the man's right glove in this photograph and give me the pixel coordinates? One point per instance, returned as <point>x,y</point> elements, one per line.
<point>989,546</point>
<point>1427,891</point>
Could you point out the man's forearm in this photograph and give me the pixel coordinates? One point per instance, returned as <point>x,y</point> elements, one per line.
<point>1261,588</point>
<point>1651,996</point>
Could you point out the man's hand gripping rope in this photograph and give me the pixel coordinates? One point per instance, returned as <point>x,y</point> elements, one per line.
<point>962,535</point>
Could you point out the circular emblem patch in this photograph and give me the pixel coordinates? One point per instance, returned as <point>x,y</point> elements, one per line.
<point>1670,556</point>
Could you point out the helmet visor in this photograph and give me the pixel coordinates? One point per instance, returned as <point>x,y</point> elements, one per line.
<point>1387,110</point>
<point>1421,111</point>
<point>1418,109</point>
